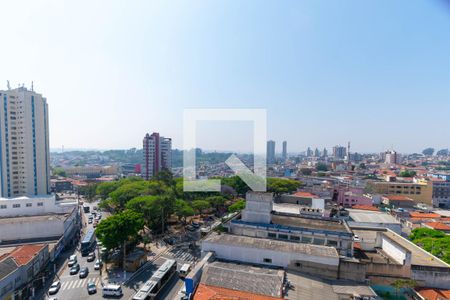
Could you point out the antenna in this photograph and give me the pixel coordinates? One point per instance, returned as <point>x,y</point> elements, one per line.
<point>32,86</point>
<point>7,84</point>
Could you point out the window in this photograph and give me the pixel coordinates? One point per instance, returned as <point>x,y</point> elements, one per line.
<point>16,205</point>
<point>3,206</point>
<point>272,235</point>
<point>283,236</point>
<point>29,204</point>
<point>298,265</point>
<point>40,204</point>
<point>267,260</point>
<point>295,238</point>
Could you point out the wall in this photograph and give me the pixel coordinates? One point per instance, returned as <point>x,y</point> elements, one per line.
<point>49,205</point>
<point>258,256</point>
<point>431,276</point>
<point>352,270</point>
<point>32,229</point>
<point>394,250</point>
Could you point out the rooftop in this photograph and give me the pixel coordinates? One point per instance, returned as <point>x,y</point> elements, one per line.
<point>415,214</point>
<point>419,257</point>
<point>310,287</point>
<point>433,294</point>
<point>365,216</point>
<point>397,198</point>
<point>7,266</point>
<point>24,254</point>
<point>205,292</point>
<point>438,226</point>
<point>319,224</point>
<point>365,207</point>
<point>274,245</point>
<point>48,217</point>
<point>305,195</point>
<point>241,277</point>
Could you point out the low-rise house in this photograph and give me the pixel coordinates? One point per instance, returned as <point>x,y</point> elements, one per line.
<point>398,201</point>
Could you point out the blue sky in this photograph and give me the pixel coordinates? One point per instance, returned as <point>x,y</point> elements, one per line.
<point>376,73</point>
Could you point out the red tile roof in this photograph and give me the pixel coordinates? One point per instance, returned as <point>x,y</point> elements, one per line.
<point>305,195</point>
<point>434,294</point>
<point>206,292</point>
<point>24,254</point>
<point>414,214</point>
<point>438,226</point>
<point>365,207</point>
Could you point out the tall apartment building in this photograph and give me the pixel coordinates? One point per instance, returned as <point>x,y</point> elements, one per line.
<point>284,153</point>
<point>339,152</point>
<point>391,157</point>
<point>270,152</point>
<point>24,144</point>
<point>157,155</point>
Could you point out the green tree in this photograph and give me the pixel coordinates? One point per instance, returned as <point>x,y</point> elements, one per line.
<point>103,189</point>
<point>217,202</point>
<point>237,206</point>
<point>237,184</point>
<point>88,191</point>
<point>59,172</point>
<point>165,176</point>
<point>402,283</point>
<point>280,186</point>
<point>200,206</point>
<point>183,210</point>
<point>321,167</point>
<point>156,210</point>
<point>407,173</point>
<point>117,229</point>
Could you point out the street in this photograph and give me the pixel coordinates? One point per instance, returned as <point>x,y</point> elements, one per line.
<point>73,287</point>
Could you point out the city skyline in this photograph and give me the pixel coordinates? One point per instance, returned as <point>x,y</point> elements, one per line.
<point>309,66</point>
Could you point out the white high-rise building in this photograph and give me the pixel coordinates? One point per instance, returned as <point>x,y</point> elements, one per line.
<point>24,144</point>
<point>157,152</point>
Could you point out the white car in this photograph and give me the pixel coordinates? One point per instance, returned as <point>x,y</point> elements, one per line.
<point>98,264</point>
<point>54,288</point>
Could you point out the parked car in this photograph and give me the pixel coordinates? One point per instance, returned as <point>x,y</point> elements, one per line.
<point>72,260</point>
<point>84,272</point>
<point>89,221</point>
<point>54,288</point>
<point>98,264</point>
<point>91,288</point>
<point>91,256</point>
<point>75,269</point>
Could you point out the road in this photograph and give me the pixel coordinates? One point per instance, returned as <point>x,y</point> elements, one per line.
<point>72,287</point>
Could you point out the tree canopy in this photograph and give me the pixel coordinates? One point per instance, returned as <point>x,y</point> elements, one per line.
<point>434,241</point>
<point>237,206</point>
<point>280,186</point>
<point>115,230</point>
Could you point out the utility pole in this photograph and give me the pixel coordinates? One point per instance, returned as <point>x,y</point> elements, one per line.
<point>124,259</point>
<point>162,220</point>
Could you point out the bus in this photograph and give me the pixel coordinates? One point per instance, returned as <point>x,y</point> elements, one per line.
<point>86,208</point>
<point>151,288</point>
<point>88,242</point>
